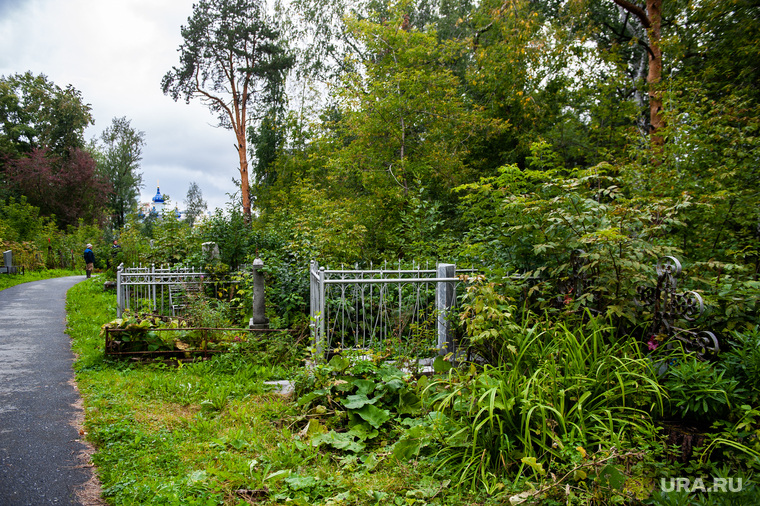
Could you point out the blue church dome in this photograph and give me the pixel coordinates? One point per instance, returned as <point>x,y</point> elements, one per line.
<point>158,198</point>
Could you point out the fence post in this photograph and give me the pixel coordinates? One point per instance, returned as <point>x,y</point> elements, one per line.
<point>259,319</point>
<point>317,305</point>
<point>313,298</point>
<point>153,285</point>
<point>445,294</point>
<point>119,295</point>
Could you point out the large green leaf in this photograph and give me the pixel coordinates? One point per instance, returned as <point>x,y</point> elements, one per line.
<point>406,449</point>
<point>363,431</point>
<point>339,363</point>
<point>409,403</point>
<point>412,442</point>
<point>364,386</point>
<point>440,365</point>
<point>357,401</point>
<point>375,416</point>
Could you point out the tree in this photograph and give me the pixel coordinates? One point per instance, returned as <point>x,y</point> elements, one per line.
<point>230,56</point>
<point>397,140</point>
<point>650,18</point>
<point>16,130</point>
<point>194,203</point>
<point>67,187</point>
<point>119,163</point>
<point>35,112</point>
<point>405,112</point>
<point>19,221</point>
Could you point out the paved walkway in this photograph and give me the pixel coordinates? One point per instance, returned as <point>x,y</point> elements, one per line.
<point>42,460</point>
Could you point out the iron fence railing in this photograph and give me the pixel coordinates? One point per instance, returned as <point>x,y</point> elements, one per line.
<point>167,290</point>
<point>377,308</point>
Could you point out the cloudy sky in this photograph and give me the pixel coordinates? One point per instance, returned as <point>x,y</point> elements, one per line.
<point>115,52</point>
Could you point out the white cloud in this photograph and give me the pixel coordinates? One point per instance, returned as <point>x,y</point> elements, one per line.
<point>115,52</point>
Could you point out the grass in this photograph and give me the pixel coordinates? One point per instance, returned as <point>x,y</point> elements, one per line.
<point>210,433</point>
<point>575,430</point>
<point>9,280</point>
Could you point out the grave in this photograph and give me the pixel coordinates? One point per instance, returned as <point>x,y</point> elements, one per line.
<point>8,267</point>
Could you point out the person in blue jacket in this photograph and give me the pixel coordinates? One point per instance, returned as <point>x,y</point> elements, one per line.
<point>89,260</point>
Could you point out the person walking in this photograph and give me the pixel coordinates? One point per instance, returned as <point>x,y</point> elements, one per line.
<point>89,260</point>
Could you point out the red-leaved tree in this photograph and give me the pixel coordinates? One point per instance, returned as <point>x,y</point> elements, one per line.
<point>67,187</point>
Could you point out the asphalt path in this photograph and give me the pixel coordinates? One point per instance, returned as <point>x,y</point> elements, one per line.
<point>42,459</point>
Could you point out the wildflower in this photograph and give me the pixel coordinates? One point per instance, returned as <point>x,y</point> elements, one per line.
<point>653,343</point>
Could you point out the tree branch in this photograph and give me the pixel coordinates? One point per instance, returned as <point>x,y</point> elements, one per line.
<point>622,36</point>
<point>636,11</point>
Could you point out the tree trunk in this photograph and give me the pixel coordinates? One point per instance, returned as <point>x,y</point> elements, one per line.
<point>656,122</point>
<point>651,20</point>
<point>245,188</point>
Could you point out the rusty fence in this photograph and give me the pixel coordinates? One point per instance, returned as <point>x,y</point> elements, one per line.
<point>186,342</point>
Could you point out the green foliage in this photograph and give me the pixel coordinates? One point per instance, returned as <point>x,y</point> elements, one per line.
<point>35,112</point>
<point>359,402</point>
<point>40,245</point>
<point>235,238</point>
<point>729,291</point>
<point>172,240</point>
<point>134,333</point>
<point>118,159</point>
<point>195,206</point>
<point>697,390</point>
<point>534,220</point>
<point>489,320</point>
<point>709,157</point>
<point>19,221</point>
<point>37,244</point>
<point>287,288</point>
<point>742,361</point>
<point>554,389</point>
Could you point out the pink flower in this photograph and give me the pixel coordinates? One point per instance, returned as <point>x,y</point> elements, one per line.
<point>652,344</point>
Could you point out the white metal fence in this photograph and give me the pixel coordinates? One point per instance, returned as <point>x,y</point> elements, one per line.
<point>159,290</point>
<point>378,308</point>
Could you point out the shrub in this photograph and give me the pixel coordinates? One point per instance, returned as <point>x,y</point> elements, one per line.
<point>555,389</point>
<point>700,391</point>
<point>742,361</point>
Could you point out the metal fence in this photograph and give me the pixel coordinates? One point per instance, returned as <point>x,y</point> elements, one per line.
<point>407,309</point>
<point>160,290</point>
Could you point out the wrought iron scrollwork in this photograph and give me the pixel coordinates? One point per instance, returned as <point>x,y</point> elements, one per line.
<point>669,306</point>
<point>576,284</point>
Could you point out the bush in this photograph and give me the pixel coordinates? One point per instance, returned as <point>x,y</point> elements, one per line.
<point>742,361</point>
<point>700,391</point>
<point>555,393</point>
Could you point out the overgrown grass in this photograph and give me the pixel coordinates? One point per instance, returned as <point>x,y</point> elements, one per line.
<point>210,432</point>
<point>567,416</point>
<point>9,280</point>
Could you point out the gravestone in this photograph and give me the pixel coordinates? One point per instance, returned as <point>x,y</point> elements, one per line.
<point>210,251</point>
<point>8,267</point>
